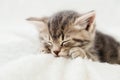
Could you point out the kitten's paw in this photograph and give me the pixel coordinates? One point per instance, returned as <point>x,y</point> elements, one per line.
<point>77,52</point>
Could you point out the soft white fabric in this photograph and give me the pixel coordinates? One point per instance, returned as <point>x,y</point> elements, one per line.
<point>47,67</point>
<point>19,41</point>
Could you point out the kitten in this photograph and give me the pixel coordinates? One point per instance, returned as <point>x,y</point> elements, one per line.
<point>70,34</point>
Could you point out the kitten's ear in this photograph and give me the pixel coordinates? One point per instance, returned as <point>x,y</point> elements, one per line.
<point>87,21</point>
<point>42,20</point>
<point>41,23</point>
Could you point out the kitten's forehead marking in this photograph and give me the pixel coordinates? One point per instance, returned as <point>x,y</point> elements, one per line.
<point>60,22</point>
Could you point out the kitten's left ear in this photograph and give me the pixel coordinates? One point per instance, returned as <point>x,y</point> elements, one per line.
<point>87,21</point>
<point>40,23</point>
<point>43,19</point>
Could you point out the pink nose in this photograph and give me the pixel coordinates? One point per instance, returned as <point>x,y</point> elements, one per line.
<point>56,52</point>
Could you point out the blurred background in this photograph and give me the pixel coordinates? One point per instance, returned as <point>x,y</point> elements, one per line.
<point>18,37</point>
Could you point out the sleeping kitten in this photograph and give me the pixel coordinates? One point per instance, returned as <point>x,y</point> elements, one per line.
<point>70,34</point>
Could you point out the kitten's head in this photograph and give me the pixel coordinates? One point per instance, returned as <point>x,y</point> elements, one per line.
<point>66,29</point>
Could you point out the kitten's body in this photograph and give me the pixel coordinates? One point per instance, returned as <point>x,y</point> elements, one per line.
<point>70,34</point>
<point>108,49</point>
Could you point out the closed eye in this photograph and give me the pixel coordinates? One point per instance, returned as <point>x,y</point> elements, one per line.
<point>79,40</point>
<point>66,43</point>
<point>63,42</point>
<point>48,44</point>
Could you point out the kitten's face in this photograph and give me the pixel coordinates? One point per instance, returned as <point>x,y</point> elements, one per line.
<point>66,30</point>
<point>73,38</point>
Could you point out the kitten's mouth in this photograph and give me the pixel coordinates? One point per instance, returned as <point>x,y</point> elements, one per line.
<point>57,56</point>
<point>61,54</point>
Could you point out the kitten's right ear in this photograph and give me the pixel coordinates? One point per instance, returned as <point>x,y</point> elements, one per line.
<point>87,21</point>
<point>41,23</point>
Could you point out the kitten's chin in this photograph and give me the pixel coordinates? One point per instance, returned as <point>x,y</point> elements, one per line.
<point>61,55</point>
<point>65,56</point>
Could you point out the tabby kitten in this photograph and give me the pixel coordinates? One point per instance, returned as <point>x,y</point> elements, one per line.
<point>70,34</point>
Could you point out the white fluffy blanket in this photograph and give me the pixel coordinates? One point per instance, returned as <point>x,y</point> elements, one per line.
<point>19,44</point>
<point>47,67</point>
<point>20,60</point>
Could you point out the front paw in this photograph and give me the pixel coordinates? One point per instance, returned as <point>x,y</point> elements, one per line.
<point>77,52</point>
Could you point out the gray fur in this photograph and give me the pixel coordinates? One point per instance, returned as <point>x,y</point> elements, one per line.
<point>58,22</point>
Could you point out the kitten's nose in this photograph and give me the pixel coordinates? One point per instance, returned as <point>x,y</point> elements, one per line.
<point>56,52</point>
